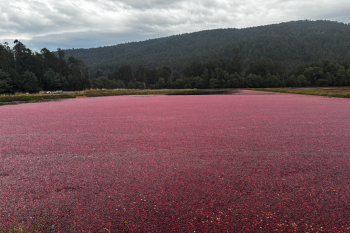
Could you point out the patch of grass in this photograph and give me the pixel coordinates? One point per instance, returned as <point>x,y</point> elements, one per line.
<point>32,98</point>
<point>328,92</point>
<point>21,229</point>
<point>95,93</point>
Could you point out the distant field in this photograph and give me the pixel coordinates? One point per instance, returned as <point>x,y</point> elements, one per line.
<point>253,161</point>
<point>342,92</point>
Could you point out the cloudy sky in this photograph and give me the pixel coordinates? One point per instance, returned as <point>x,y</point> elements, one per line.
<point>92,23</point>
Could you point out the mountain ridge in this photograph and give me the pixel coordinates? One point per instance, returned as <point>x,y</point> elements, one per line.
<point>293,43</point>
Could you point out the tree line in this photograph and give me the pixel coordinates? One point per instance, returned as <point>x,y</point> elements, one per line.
<point>21,70</point>
<point>25,71</point>
<point>226,73</point>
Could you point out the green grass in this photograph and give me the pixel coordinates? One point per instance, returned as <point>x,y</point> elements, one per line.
<point>317,92</point>
<point>152,92</point>
<point>30,98</point>
<point>131,92</point>
<point>20,229</point>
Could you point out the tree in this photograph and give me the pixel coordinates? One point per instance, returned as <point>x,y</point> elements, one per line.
<point>331,67</point>
<point>187,86</point>
<point>30,82</point>
<point>235,81</point>
<point>206,77</point>
<point>138,85</point>
<point>264,67</point>
<point>340,77</point>
<point>237,61</point>
<point>176,76</point>
<point>291,81</point>
<point>21,55</point>
<point>214,83</point>
<point>103,82</point>
<point>179,83</point>
<point>160,84</point>
<point>200,83</point>
<point>347,77</point>
<point>221,75</point>
<point>16,80</point>
<point>273,81</point>
<point>120,84</point>
<point>6,57</point>
<point>97,74</point>
<point>50,60</point>
<point>254,80</point>
<point>330,78</point>
<point>170,84</point>
<point>125,73</point>
<point>193,69</point>
<point>79,78</point>
<point>302,81</point>
<point>51,80</point>
<point>322,82</point>
<point>5,83</point>
<point>164,73</point>
<point>62,65</point>
<point>51,72</point>
<point>131,85</point>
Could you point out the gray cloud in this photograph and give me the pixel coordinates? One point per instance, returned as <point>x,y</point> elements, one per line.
<point>94,23</point>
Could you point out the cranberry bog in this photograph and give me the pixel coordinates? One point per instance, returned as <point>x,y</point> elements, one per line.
<point>252,161</point>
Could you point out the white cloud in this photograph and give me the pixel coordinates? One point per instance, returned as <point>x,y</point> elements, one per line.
<point>93,23</point>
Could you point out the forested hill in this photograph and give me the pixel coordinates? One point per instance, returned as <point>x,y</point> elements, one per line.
<point>292,43</point>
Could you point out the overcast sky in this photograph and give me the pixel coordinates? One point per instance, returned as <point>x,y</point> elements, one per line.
<point>92,23</point>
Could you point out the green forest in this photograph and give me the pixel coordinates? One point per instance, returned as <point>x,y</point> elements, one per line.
<point>293,54</point>
<point>226,73</point>
<point>25,71</point>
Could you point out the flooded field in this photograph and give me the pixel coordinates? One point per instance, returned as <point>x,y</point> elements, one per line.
<point>204,163</point>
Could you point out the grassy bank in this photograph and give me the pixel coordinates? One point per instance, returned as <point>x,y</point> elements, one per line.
<point>117,92</point>
<point>31,98</point>
<point>94,93</point>
<point>329,92</point>
<point>42,97</point>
